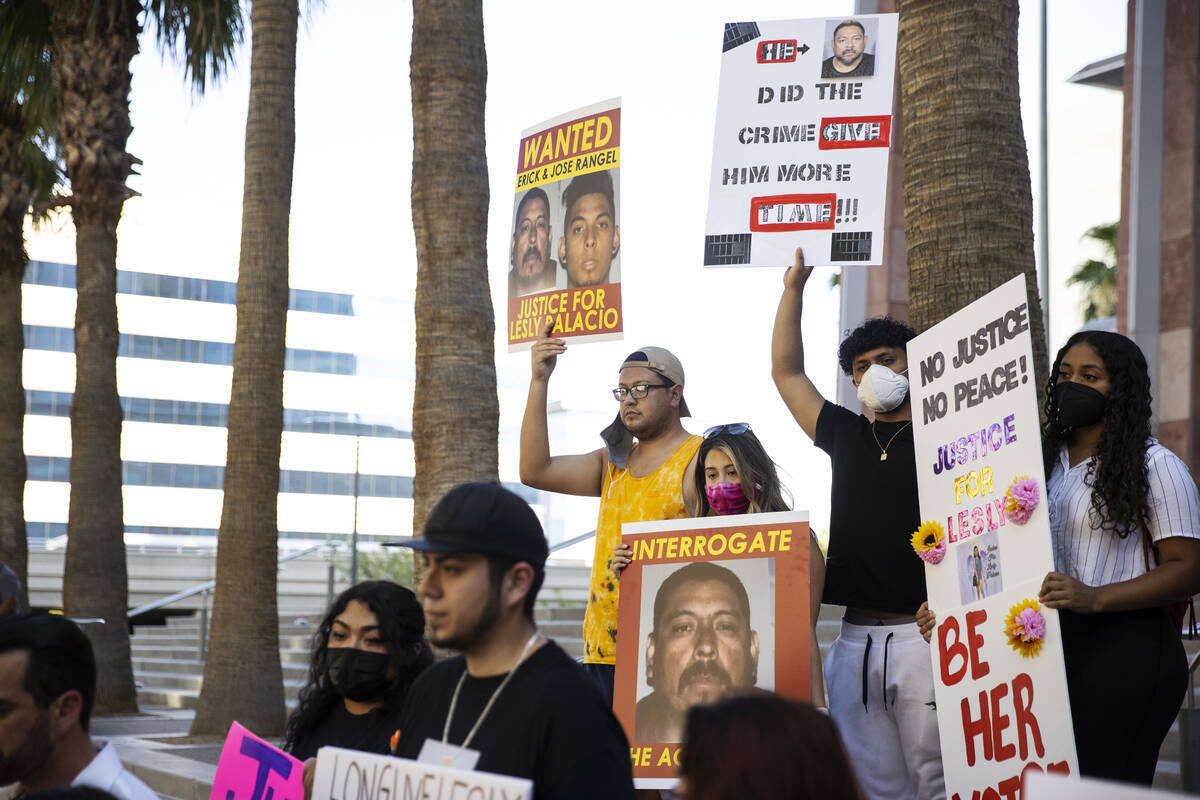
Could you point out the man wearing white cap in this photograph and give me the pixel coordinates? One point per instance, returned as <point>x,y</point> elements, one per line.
<point>644,472</point>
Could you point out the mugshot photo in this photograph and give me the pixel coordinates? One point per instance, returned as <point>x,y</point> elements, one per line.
<point>533,258</point>
<point>589,243</point>
<point>708,631</point>
<point>849,50</point>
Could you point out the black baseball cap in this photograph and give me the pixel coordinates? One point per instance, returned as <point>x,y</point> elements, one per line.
<point>482,518</point>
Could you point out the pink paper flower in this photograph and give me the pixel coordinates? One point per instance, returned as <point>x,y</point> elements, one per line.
<point>1025,628</point>
<point>935,554</point>
<point>1021,499</point>
<point>1032,624</point>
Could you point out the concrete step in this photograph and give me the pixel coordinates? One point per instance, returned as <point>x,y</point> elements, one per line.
<point>187,698</point>
<point>286,656</point>
<point>171,640</point>
<point>191,666</point>
<point>184,681</point>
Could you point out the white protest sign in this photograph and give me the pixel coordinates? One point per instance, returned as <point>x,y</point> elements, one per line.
<point>1041,786</point>
<point>350,775</point>
<point>999,678</point>
<point>800,151</point>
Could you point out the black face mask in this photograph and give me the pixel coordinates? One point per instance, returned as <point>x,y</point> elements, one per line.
<point>357,674</point>
<point>1078,406</point>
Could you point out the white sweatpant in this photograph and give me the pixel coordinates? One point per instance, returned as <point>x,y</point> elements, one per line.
<point>890,727</point>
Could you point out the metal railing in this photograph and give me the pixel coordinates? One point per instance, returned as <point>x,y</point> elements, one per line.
<point>205,590</point>
<point>583,537</point>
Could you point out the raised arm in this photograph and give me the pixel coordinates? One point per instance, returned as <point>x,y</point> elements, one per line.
<point>577,474</point>
<point>787,351</point>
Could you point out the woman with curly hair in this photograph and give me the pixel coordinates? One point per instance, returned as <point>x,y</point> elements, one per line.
<point>366,653</point>
<point>1125,527</point>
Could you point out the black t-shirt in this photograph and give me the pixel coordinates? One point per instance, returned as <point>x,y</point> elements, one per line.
<point>865,69</point>
<point>369,733</point>
<point>549,725</point>
<point>873,514</point>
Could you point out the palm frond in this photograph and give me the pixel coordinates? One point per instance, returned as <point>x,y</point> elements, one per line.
<point>1106,236</point>
<point>201,35</point>
<point>25,77</point>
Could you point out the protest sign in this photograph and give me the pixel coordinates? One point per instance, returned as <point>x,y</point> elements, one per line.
<point>352,775</point>
<point>251,769</point>
<point>999,679</point>
<point>800,152</point>
<point>564,261</point>
<point>735,587</point>
<point>1048,786</point>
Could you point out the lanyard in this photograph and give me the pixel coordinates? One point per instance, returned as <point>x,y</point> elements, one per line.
<point>454,700</point>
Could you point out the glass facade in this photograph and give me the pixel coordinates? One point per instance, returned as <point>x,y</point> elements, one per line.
<point>216,415</point>
<point>48,273</point>
<point>164,348</point>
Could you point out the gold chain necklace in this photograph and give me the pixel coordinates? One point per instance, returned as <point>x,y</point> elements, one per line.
<point>883,450</point>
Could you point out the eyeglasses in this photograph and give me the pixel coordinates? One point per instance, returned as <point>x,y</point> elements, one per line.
<point>733,428</point>
<point>638,391</point>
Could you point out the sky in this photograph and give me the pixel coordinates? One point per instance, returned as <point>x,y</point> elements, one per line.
<point>351,226</point>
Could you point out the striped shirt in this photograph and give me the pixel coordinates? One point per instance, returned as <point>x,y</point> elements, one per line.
<point>1098,557</point>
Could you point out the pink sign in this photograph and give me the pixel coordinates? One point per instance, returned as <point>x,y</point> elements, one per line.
<point>251,769</point>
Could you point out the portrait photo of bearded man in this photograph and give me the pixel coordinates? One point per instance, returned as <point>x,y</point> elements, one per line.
<point>702,648</point>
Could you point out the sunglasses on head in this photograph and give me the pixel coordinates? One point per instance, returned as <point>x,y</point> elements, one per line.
<point>733,428</point>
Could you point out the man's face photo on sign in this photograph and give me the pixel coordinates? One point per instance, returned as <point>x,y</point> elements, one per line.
<point>702,646</point>
<point>533,270</point>
<point>591,237</point>
<point>849,49</point>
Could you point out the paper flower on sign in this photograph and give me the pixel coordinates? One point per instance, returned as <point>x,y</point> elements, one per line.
<point>1025,627</point>
<point>929,541</point>
<point>1021,499</point>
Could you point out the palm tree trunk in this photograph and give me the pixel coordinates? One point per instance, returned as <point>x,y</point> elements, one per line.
<point>14,199</point>
<point>455,410</point>
<point>91,78</point>
<point>242,677</point>
<point>968,212</point>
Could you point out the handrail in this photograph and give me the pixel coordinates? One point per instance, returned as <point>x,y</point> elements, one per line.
<point>209,585</point>
<point>575,540</point>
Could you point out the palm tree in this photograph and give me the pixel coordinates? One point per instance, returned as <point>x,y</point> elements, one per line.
<point>91,44</point>
<point>455,410</point>
<point>968,212</point>
<point>1098,278</point>
<point>27,174</point>
<point>243,678</point>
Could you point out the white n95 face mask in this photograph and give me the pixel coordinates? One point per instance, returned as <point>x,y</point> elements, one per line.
<point>881,389</point>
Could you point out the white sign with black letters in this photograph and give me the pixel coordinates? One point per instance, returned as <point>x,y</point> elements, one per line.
<point>803,132</point>
<point>351,775</point>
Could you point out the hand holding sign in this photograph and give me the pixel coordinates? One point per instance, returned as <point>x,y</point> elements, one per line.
<point>797,274</point>
<point>545,352</point>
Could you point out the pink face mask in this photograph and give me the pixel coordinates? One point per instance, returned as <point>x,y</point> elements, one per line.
<point>727,498</point>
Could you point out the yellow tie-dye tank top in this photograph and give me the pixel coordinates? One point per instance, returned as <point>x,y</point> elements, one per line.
<point>625,498</point>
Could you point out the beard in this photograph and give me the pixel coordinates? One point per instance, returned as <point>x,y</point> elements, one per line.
<point>32,754</point>
<point>464,641</point>
<point>710,670</point>
<point>848,57</point>
<point>533,263</point>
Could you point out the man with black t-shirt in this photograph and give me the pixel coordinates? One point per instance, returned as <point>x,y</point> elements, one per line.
<point>879,673</point>
<point>513,703</point>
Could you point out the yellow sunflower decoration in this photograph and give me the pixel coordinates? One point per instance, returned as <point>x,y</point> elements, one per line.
<point>929,542</point>
<point>1025,627</point>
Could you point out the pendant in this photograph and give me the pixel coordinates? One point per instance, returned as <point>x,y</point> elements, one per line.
<point>883,456</point>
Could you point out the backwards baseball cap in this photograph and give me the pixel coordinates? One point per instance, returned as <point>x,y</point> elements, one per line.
<point>660,360</point>
<point>482,518</point>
